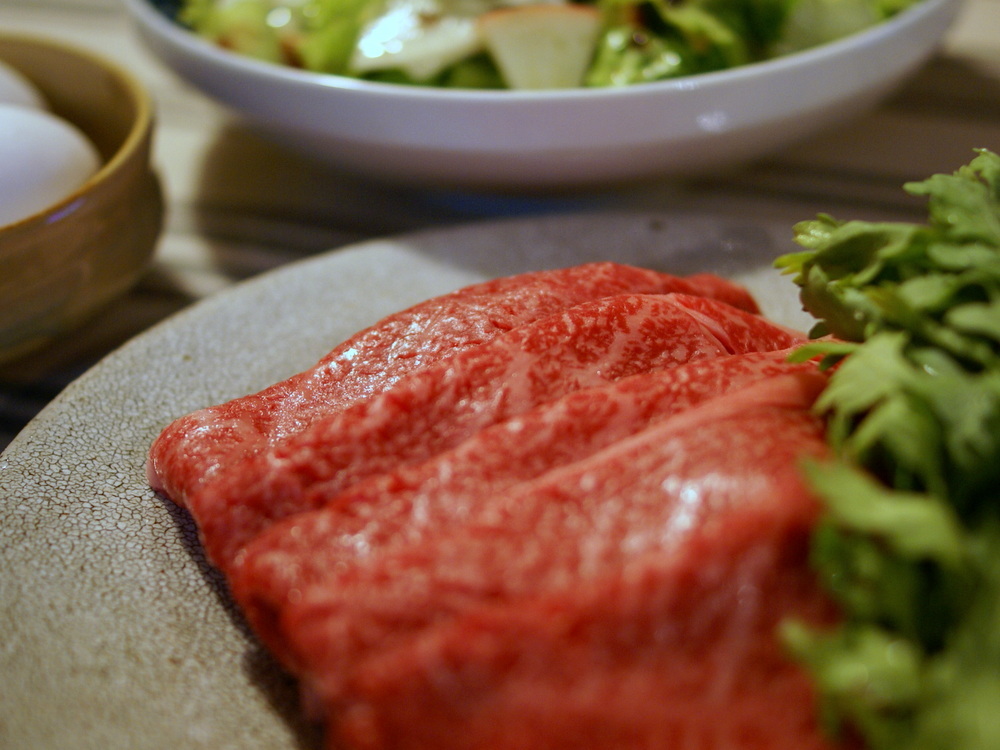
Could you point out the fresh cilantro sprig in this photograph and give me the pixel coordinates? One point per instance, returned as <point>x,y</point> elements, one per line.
<point>939,282</point>
<point>909,316</point>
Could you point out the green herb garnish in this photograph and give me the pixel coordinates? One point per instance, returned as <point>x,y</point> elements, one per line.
<point>910,542</point>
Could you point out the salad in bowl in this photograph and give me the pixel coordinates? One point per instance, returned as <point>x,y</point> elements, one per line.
<point>412,114</point>
<point>526,44</point>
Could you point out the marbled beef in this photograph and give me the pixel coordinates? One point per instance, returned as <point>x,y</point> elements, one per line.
<point>678,648</point>
<point>190,450</point>
<point>441,404</point>
<point>401,506</point>
<point>560,510</point>
<point>574,524</point>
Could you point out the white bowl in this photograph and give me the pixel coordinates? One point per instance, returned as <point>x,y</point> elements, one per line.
<point>555,139</point>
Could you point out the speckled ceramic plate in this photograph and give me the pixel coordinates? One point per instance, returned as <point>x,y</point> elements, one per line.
<point>114,633</point>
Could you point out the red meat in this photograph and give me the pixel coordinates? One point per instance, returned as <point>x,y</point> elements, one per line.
<point>401,506</point>
<point>189,451</point>
<point>441,404</point>
<point>557,534</point>
<point>678,648</point>
<point>559,510</point>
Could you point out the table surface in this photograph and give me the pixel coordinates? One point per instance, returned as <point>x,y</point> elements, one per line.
<point>227,221</point>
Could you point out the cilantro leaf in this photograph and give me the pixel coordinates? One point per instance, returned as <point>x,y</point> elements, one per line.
<point>910,540</point>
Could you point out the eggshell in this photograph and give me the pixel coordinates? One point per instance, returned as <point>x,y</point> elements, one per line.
<point>44,158</point>
<point>15,88</point>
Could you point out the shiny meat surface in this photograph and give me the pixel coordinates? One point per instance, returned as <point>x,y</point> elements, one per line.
<point>441,404</point>
<point>561,510</point>
<point>192,449</point>
<point>401,506</point>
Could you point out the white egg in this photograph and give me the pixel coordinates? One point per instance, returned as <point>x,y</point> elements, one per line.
<point>15,88</point>
<point>44,159</point>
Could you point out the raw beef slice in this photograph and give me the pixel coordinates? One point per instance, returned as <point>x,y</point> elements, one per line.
<point>559,534</point>
<point>677,649</point>
<point>402,506</point>
<point>436,407</point>
<point>190,450</point>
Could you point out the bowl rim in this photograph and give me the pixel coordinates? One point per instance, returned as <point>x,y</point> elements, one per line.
<point>153,20</point>
<point>138,131</point>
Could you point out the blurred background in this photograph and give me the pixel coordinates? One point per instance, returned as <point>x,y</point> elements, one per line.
<point>238,206</point>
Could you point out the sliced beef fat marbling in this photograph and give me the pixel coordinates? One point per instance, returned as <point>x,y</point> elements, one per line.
<point>562,531</point>
<point>403,506</point>
<point>190,451</point>
<point>438,406</point>
<point>676,649</point>
<point>558,510</point>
